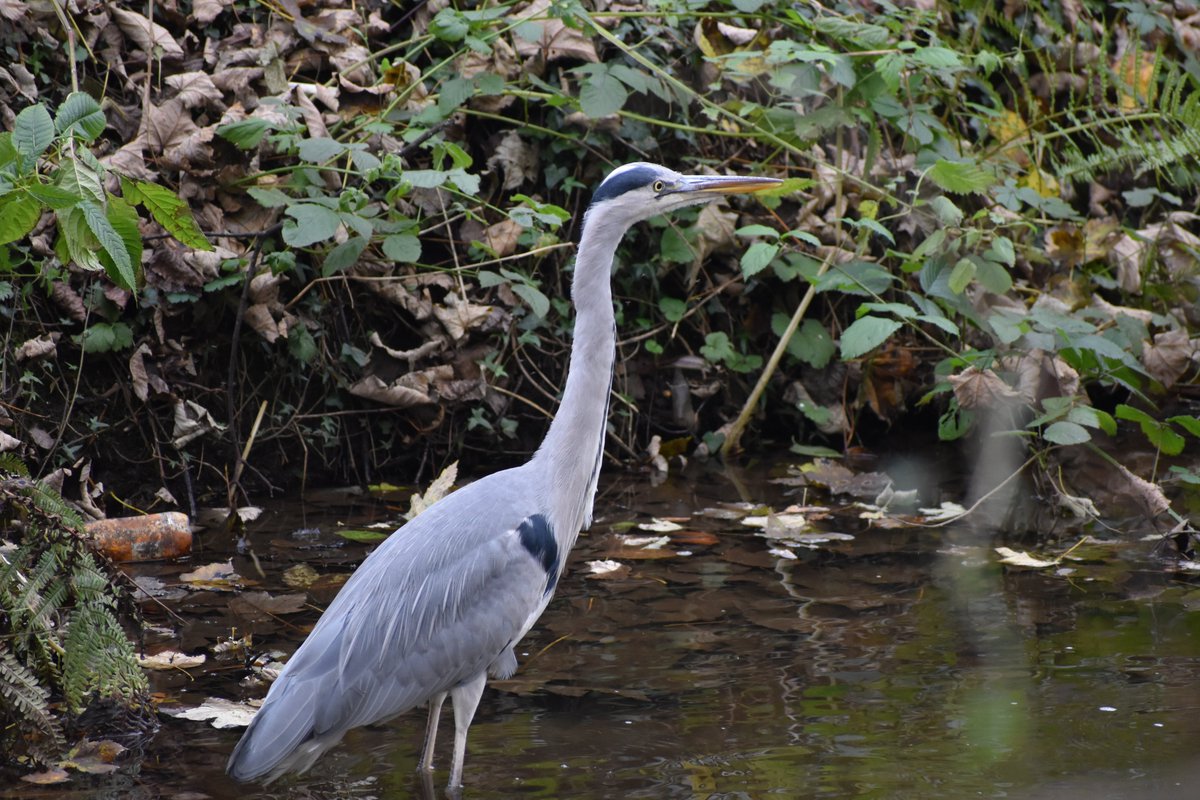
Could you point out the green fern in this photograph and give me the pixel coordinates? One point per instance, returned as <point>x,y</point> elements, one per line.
<point>59,631</point>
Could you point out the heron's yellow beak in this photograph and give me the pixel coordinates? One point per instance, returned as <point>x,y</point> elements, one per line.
<point>726,184</point>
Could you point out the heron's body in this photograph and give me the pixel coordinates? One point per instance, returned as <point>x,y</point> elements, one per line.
<point>443,601</point>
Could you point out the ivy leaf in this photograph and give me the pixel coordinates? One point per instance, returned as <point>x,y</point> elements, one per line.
<point>112,243</point>
<point>960,177</point>
<point>717,348</point>
<point>672,309</point>
<point>866,334</point>
<point>33,131</point>
<point>80,115</point>
<point>313,223</point>
<point>105,337</point>
<point>673,247</point>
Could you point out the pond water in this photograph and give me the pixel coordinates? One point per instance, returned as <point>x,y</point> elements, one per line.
<point>904,662</point>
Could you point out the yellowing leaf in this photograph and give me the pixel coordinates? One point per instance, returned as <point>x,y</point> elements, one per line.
<point>1136,87</point>
<point>1041,182</point>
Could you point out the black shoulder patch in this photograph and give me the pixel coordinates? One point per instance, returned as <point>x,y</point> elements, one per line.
<point>538,538</point>
<point>617,185</point>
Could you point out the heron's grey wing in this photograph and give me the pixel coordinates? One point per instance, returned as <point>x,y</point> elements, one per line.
<point>437,603</point>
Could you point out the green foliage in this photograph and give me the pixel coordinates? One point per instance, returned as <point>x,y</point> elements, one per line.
<point>59,631</point>
<point>44,166</point>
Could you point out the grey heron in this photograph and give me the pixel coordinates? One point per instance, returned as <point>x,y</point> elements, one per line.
<point>441,603</point>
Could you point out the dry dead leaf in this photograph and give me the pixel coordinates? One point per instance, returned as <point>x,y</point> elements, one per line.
<point>460,316</point>
<point>192,421</point>
<point>410,389</point>
<point>439,488</point>
<point>1015,558</point>
<point>501,238</point>
<point>261,605</point>
<point>217,575</point>
<point>170,659</point>
<point>149,36</point>
<point>47,777</point>
<point>657,525</point>
<point>205,11</point>
<point>607,569</point>
<point>982,389</point>
<point>195,89</point>
<point>557,41</point>
<point>1169,356</point>
<point>43,346</point>
<point>516,159</point>
<point>222,713</point>
<point>93,758</point>
<point>300,576</point>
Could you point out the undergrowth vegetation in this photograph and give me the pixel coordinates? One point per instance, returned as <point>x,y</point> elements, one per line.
<point>990,217</point>
<point>64,657</point>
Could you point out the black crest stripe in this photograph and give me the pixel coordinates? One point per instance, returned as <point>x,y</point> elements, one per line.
<point>617,185</point>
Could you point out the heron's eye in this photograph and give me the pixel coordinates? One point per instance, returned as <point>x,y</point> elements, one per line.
<point>658,187</point>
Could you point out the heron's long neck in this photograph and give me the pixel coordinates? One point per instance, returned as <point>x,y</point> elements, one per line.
<point>573,447</point>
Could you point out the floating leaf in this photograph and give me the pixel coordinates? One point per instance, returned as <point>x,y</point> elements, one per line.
<point>170,659</point>
<point>1015,558</point>
<point>364,537</point>
<point>220,712</point>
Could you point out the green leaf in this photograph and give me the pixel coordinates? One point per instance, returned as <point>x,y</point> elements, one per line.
<point>758,257</point>
<point>111,242</point>
<point>268,197</point>
<point>425,178</point>
<point>301,344</point>
<point>945,210</point>
<point>758,230</point>
<point>961,276</point>
<point>960,177</point>
<point>1066,433</point>
<point>539,304</point>
<point>1188,423</point>
<point>80,115</point>
<point>79,180</point>
<point>672,309</point>
<point>363,537</point>
<point>1003,251</point>
<point>994,277</point>
<point>601,95</point>
<point>1132,414</point>
<point>402,247</point>
<point>811,343</point>
<point>717,348</point>
<point>673,247</point>
<point>344,256</point>
<point>1166,440</point>
<point>105,337</point>
<point>245,134</point>
<point>18,215</point>
<point>33,132</point>
<point>313,223</point>
<point>77,238</point>
<point>865,334</point>
<point>453,93</point>
<point>52,196</point>
<point>124,220</point>
<point>169,211</point>
<point>320,149</point>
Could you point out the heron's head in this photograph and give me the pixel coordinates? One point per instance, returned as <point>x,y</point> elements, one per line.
<point>638,191</point>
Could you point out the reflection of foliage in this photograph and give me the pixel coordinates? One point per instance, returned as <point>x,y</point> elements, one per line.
<point>61,646</point>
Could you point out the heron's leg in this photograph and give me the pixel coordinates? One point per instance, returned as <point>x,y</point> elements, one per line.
<point>466,699</point>
<point>435,713</point>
